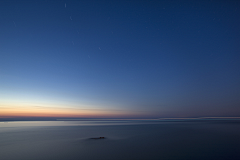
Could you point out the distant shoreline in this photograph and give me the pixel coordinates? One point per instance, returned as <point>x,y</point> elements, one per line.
<point>109,119</point>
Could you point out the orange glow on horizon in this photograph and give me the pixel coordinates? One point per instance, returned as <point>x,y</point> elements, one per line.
<point>11,112</point>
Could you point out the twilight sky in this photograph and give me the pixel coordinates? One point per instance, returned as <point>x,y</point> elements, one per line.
<point>119,58</point>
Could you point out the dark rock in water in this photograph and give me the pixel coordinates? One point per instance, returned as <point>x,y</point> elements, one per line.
<point>98,138</point>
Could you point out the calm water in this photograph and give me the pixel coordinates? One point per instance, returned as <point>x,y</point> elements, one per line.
<point>124,140</point>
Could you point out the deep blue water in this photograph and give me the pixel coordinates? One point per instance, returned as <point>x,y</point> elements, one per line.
<point>124,140</point>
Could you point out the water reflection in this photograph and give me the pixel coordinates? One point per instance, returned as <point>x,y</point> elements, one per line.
<point>128,140</point>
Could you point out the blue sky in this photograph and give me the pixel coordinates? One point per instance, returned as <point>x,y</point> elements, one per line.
<point>144,59</point>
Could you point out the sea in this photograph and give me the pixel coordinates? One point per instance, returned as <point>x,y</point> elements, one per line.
<point>123,140</point>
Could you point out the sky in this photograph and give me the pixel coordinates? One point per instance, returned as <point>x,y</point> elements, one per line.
<point>119,59</point>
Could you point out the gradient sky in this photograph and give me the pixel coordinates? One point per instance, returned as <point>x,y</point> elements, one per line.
<point>119,58</point>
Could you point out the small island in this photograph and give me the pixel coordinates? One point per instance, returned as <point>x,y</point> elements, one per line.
<point>98,138</point>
